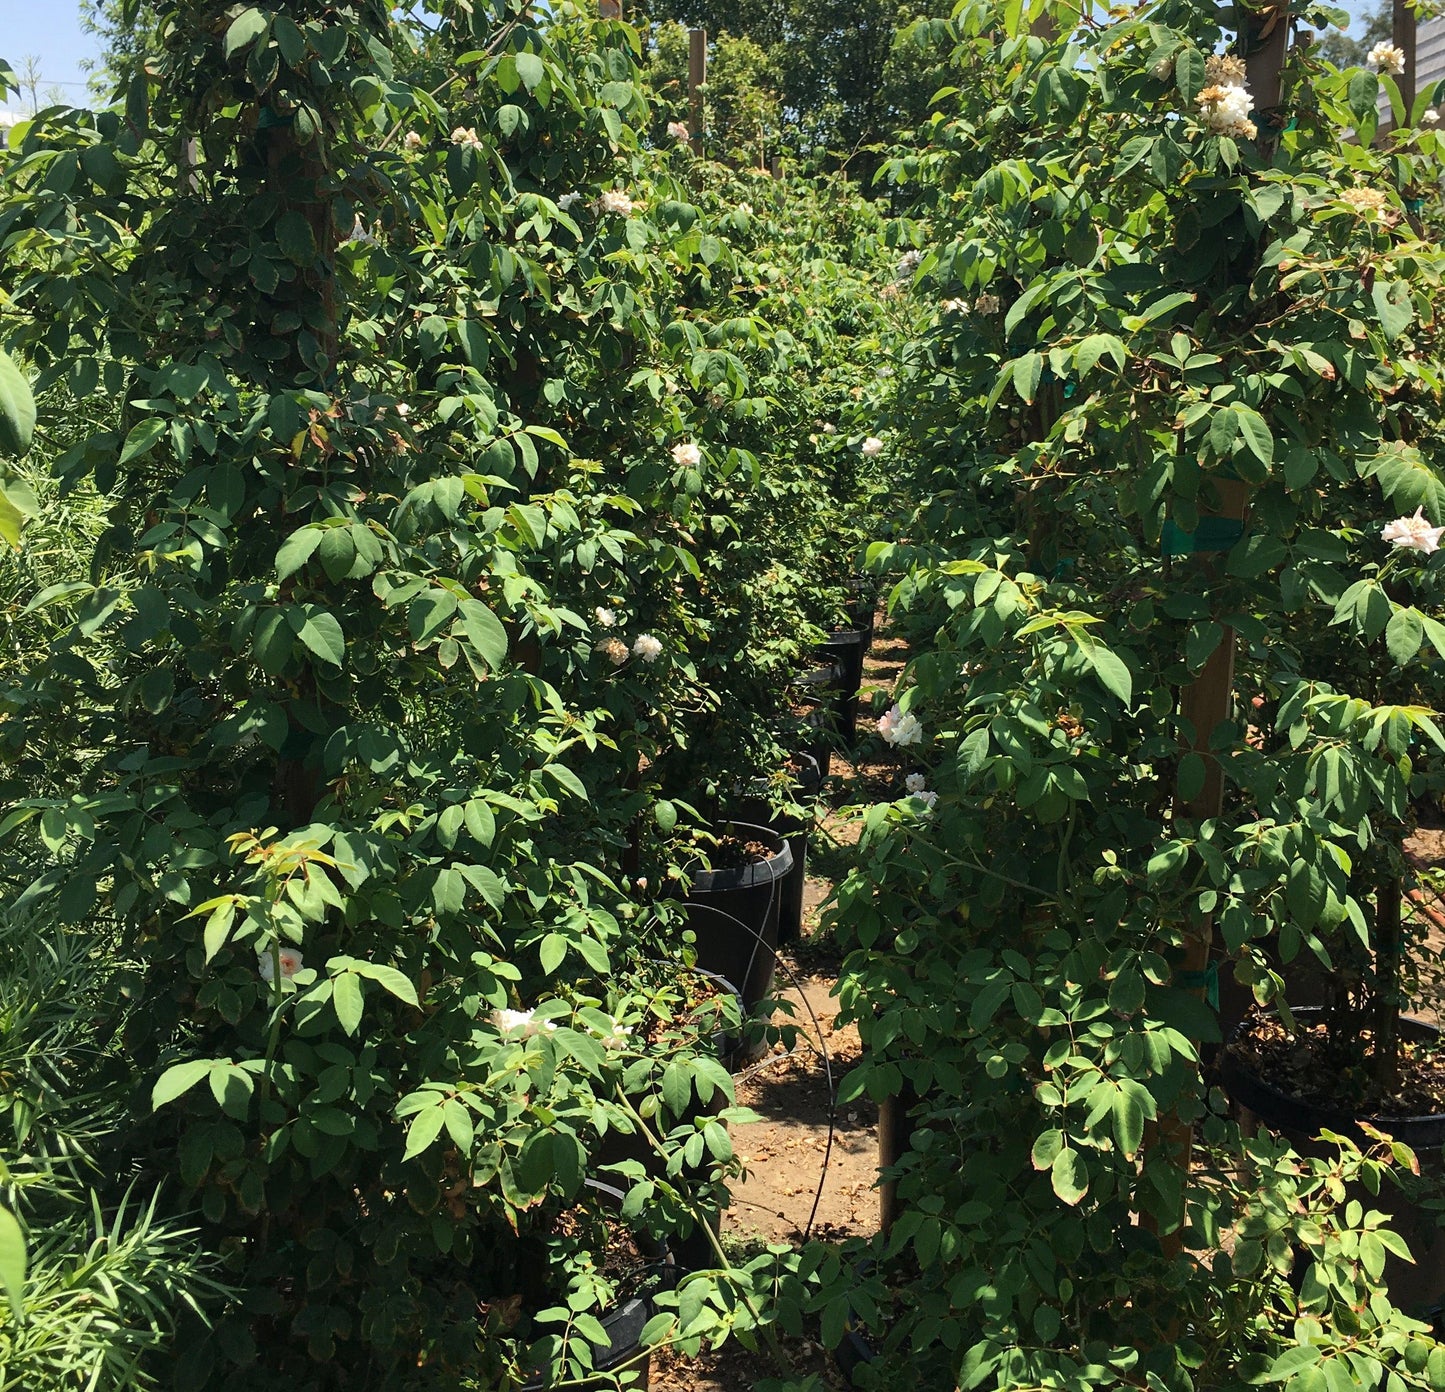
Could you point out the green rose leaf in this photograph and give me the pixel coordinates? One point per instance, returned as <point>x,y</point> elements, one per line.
<point>12,1263</point>
<point>177,1079</point>
<point>244,30</point>
<point>1069,1177</point>
<point>1189,75</point>
<point>1404,634</point>
<point>323,637</point>
<point>17,409</point>
<point>1394,306</point>
<point>142,439</point>
<point>423,1131</point>
<point>346,999</point>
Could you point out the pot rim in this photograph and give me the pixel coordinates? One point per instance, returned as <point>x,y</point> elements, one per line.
<point>1231,1063</point>
<point>755,875</point>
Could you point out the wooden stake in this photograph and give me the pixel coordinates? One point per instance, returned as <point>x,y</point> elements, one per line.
<point>1205,704</point>
<point>1404,25</point>
<point>696,77</point>
<point>1264,64</point>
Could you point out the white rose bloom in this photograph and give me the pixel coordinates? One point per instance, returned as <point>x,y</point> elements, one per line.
<point>403,410</point>
<point>566,200</point>
<point>616,1037</point>
<point>986,304</point>
<point>1225,107</point>
<point>829,428</point>
<point>954,306</point>
<point>615,201</point>
<point>872,446</point>
<point>1387,58</point>
<point>606,618</point>
<point>647,648</point>
<point>900,727</point>
<point>521,1021</point>
<point>614,650</point>
<point>359,236</point>
<point>907,264</point>
<point>686,454</point>
<point>1413,533</point>
<point>1429,117</point>
<point>467,138</point>
<point>677,131</point>
<point>291,963</point>
<point>413,141</point>
<point>915,782</point>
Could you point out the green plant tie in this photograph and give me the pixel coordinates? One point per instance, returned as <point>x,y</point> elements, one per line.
<point>1207,980</point>
<point>1212,534</point>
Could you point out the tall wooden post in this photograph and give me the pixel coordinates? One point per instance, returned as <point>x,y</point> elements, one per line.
<point>1403,37</point>
<point>1205,702</point>
<point>696,77</point>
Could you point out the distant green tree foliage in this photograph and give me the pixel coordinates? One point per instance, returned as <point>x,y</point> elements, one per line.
<point>742,105</point>
<point>845,78</point>
<point>1345,51</point>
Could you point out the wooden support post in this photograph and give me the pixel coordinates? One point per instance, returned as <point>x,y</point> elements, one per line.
<point>1404,25</point>
<point>1205,704</point>
<point>696,77</point>
<point>1264,64</point>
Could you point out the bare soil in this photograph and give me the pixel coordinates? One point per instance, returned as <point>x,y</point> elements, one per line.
<point>811,1167</point>
<point>1310,1065</point>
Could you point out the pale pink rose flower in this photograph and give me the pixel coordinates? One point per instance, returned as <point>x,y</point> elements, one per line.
<point>291,963</point>
<point>900,727</point>
<point>1413,533</point>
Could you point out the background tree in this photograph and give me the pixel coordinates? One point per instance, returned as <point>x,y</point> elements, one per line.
<point>1347,50</point>
<point>841,83</point>
<point>123,28</point>
<point>742,107</point>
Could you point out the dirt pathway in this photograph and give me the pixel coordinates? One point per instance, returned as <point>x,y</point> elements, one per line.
<point>811,1168</point>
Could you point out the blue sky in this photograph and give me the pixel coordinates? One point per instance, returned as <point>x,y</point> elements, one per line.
<point>52,34</point>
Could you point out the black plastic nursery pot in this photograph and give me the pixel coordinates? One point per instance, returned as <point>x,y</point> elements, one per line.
<point>794,830</point>
<point>733,914</point>
<point>1417,1287</point>
<point>846,648</point>
<point>622,1326</point>
<point>816,692</point>
<point>854,1353</point>
<point>862,605</point>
